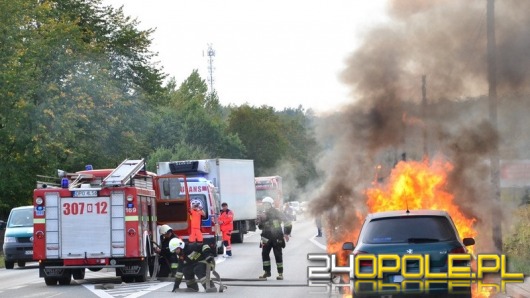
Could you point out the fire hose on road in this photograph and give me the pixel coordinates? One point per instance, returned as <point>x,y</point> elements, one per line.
<point>221,282</point>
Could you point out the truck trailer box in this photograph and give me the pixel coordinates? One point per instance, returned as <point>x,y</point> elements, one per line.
<point>234,183</point>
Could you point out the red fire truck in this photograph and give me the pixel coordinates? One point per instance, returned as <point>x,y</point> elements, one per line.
<point>269,186</point>
<point>95,219</point>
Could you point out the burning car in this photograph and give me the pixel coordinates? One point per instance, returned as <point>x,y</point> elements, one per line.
<point>419,232</point>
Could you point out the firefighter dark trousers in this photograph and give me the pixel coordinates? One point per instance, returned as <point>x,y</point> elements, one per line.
<point>189,272</point>
<point>265,256</point>
<point>164,267</point>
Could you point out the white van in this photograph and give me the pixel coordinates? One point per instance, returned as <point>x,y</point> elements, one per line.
<point>18,238</point>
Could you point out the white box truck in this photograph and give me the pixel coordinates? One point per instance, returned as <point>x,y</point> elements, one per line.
<point>234,183</point>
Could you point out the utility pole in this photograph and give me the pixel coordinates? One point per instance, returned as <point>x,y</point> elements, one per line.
<point>424,114</point>
<point>211,54</point>
<point>496,212</point>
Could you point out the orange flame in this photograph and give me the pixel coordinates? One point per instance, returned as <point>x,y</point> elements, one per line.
<point>418,185</point>
<point>412,185</point>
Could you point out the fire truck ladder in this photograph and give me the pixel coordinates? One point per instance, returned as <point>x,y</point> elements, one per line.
<point>124,172</point>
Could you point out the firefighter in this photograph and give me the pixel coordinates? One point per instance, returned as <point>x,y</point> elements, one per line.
<point>226,219</point>
<point>193,260</point>
<point>167,261</point>
<point>196,214</point>
<point>318,222</point>
<point>273,237</point>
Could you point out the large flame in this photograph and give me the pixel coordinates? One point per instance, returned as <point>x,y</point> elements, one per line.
<point>411,185</point>
<point>419,185</point>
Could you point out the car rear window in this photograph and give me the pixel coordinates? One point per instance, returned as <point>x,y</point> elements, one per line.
<point>416,229</point>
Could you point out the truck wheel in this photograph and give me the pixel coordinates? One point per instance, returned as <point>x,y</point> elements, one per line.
<point>9,264</point>
<point>78,274</point>
<point>127,278</point>
<point>220,250</point>
<point>238,237</point>
<point>143,272</point>
<point>50,281</point>
<point>21,264</point>
<point>64,281</point>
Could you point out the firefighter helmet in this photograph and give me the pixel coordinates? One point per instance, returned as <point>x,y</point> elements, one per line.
<point>267,200</point>
<point>164,229</point>
<point>176,243</point>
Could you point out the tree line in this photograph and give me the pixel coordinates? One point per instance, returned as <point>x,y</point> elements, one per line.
<point>78,86</point>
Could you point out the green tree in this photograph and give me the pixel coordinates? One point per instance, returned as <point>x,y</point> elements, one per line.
<point>260,131</point>
<point>75,81</point>
<point>301,144</point>
<point>193,118</point>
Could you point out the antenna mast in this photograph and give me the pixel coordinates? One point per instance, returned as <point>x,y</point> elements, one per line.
<point>211,54</point>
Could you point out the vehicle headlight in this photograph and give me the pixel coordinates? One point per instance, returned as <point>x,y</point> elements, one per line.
<point>10,239</point>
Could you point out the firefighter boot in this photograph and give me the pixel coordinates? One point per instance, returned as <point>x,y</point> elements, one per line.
<point>280,276</point>
<point>265,275</point>
<point>192,287</point>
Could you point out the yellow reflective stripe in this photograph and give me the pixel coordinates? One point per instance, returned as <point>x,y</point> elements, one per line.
<point>43,220</point>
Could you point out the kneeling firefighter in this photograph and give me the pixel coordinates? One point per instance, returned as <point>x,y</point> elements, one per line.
<point>193,260</point>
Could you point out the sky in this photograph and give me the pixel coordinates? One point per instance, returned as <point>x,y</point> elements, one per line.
<point>277,53</point>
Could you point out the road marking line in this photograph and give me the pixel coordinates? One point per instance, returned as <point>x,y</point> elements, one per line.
<point>315,242</point>
<point>98,292</point>
<point>120,291</point>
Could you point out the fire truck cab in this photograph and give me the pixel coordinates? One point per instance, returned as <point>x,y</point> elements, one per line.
<point>269,186</point>
<point>95,219</point>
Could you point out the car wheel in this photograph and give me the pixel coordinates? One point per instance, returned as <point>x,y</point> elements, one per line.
<point>9,264</point>
<point>21,264</point>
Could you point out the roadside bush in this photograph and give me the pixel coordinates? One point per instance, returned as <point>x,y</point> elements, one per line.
<point>517,244</point>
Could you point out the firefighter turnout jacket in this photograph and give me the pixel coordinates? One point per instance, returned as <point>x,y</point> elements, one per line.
<point>270,223</point>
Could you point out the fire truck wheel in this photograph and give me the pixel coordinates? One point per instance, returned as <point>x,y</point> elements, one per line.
<point>21,263</point>
<point>50,281</point>
<point>9,265</point>
<point>78,274</point>
<point>64,281</point>
<point>127,279</point>
<point>143,272</point>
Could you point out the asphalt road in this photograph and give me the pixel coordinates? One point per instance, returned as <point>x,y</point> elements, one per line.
<point>240,271</point>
